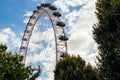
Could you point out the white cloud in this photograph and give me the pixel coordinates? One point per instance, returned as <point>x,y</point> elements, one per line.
<point>80,22</point>
<point>3,38</point>
<point>8,37</point>
<point>75,3</point>
<point>35,0</point>
<point>64,5</point>
<point>80,42</point>
<point>26,20</point>
<point>27,15</point>
<point>8,31</point>
<point>46,57</point>
<point>61,5</point>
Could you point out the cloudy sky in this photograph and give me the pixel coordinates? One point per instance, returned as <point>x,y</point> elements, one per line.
<point>79,16</point>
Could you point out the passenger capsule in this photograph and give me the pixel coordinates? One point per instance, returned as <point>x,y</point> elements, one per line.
<point>63,54</point>
<point>33,17</point>
<point>57,14</point>
<point>24,39</point>
<point>45,4</point>
<point>36,11</point>
<point>52,8</point>
<point>63,38</point>
<point>22,47</point>
<point>27,31</point>
<point>59,23</point>
<point>30,24</point>
<point>38,7</point>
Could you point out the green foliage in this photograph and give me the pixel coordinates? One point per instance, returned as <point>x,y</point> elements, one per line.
<point>106,34</point>
<point>12,68</point>
<point>74,68</point>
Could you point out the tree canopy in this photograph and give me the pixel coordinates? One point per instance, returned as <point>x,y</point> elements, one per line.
<point>74,68</point>
<point>12,67</point>
<point>107,35</point>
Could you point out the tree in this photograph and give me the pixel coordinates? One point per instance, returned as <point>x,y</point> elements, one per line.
<point>107,35</point>
<point>74,68</point>
<point>91,73</point>
<point>12,68</point>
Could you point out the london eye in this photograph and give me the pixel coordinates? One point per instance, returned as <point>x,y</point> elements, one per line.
<point>51,39</point>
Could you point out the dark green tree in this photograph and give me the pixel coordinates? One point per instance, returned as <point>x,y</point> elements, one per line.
<point>12,68</point>
<point>107,35</point>
<point>74,68</point>
<point>90,73</point>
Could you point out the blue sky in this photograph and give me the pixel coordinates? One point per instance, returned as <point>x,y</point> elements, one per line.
<point>78,15</point>
<point>12,12</point>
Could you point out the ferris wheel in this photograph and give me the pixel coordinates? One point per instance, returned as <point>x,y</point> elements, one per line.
<point>52,26</point>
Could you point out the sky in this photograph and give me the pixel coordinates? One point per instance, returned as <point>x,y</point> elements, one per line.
<point>79,16</point>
